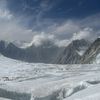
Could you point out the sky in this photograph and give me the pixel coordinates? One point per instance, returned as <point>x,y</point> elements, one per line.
<point>60,21</point>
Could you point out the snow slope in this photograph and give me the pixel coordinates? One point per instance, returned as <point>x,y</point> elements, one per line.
<point>30,81</point>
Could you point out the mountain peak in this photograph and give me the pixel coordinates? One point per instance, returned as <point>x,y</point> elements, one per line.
<point>71,54</point>
<point>92,52</point>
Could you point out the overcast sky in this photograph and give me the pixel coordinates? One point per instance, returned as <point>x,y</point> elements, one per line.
<point>60,20</point>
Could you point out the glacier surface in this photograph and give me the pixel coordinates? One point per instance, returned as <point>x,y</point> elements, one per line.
<point>38,81</point>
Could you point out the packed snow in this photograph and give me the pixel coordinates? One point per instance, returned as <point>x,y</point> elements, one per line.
<point>38,81</point>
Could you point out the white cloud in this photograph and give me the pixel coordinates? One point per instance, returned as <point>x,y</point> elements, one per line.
<point>67,27</point>
<point>10,28</point>
<point>39,39</point>
<point>62,43</point>
<point>83,34</point>
<point>5,14</point>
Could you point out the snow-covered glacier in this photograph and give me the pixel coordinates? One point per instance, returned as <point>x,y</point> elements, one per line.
<point>38,81</point>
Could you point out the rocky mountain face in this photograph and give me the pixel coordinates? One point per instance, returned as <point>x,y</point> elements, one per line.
<point>73,52</point>
<point>92,55</point>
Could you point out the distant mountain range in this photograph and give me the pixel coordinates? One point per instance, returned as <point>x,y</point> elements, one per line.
<point>77,52</point>
<point>46,53</point>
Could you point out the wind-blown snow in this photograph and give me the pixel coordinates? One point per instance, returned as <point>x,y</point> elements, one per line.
<point>30,81</point>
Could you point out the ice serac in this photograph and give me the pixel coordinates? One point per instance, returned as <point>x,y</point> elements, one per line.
<point>92,55</point>
<point>73,52</point>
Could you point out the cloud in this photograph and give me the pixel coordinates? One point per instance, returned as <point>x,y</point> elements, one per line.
<point>5,14</point>
<point>65,30</point>
<point>61,33</point>
<point>87,28</point>
<point>92,21</point>
<point>62,43</point>
<point>41,38</point>
<point>11,30</point>
<point>10,27</point>
<point>86,33</point>
<point>67,27</point>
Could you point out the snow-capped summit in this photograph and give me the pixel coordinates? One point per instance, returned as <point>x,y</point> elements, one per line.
<point>72,53</point>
